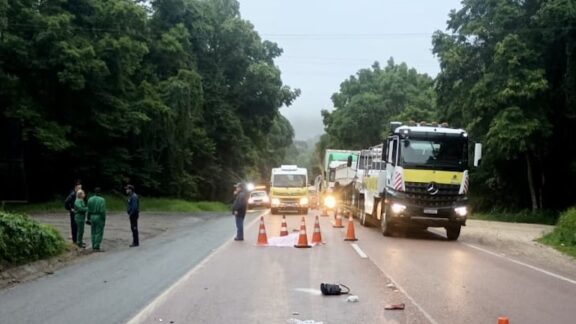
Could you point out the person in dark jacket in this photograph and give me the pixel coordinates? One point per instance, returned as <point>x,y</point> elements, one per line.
<point>69,205</point>
<point>239,210</point>
<point>133,211</point>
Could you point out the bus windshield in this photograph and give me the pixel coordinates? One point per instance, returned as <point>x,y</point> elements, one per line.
<point>289,180</point>
<point>449,154</point>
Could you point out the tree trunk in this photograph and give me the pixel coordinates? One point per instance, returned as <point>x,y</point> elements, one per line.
<point>533,197</point>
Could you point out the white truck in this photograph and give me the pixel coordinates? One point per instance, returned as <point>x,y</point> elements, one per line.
<point>418,178</point>
<point>289,190</point>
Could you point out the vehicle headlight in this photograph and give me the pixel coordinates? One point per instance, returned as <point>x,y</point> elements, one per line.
<point>397,208</point>
<point>461,211</point>
<point>251,200</point>
<point>266,199</point>
<point>304,201</point>
<point>275,202</point>
<point>250,186</point>
<point>330,202</point>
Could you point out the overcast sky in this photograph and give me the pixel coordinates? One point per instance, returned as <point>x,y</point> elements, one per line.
<point>326,41</point>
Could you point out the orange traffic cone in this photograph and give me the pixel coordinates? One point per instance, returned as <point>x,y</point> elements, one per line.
<point>503,320</point>
<point>302,239</point>
<point>262,238</point>
<point>317,236</point>
<point>284,228</point>
<point>338,220</point>
<point>350,233</point>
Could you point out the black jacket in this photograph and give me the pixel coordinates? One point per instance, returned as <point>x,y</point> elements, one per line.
<point>240,203</point>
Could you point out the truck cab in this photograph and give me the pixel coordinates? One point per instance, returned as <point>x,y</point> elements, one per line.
<point>289,190</point>
<point>421,180</point>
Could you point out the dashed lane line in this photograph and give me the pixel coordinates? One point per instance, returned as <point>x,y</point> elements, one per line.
<point>359,251</point>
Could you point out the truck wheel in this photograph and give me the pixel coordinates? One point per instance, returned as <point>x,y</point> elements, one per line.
<point>453,232</point>
<point>305,211</point>
<point>387,227</point>
<point>274,211</point>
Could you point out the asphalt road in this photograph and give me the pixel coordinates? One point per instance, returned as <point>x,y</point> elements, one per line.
<point>112,286</point>
<point>196,274</point>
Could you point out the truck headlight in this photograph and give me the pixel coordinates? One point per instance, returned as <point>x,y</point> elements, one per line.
<point>397,208</point>
<point>330,202</point>
<point>461,211</point>
<point>275,202</point>
<point>304,201</point>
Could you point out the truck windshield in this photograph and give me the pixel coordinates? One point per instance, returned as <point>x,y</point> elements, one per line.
<point>289,180</point>
<point>448,154</point>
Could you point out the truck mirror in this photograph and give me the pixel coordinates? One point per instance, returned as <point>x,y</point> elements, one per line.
<point>349,162</point>
<point>477,154</point>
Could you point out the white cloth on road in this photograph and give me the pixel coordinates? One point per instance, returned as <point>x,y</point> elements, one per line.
<point>284,241</point>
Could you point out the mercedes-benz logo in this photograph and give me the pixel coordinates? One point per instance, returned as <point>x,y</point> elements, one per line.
<point>432,188</point>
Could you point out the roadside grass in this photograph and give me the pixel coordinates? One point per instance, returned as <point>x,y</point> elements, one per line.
<point>543,217</point>
<point>563,237</point>
<point>115,203</point>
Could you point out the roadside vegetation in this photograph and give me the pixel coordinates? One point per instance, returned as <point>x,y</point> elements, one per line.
<point>563,238</point>
<point>525,216</point>
<point>115,203</point>
<point>23,240</point>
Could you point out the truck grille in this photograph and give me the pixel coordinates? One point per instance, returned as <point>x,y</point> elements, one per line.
<point>417,194</point>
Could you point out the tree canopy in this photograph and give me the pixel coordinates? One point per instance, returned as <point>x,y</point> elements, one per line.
<point>370,99</point>
<point>179,97</point>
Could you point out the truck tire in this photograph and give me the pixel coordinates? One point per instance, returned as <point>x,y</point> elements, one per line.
<point>385,224</point>
<point>453,232</point>
<point>304,211</point>
<point>274,211</point>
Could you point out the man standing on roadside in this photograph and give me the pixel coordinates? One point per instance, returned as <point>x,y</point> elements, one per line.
<point>97,216</point>
<point>133,212</point>
<point>69,205</point>
<point>239,210</point>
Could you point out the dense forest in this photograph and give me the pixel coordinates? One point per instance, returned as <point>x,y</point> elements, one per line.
<point>508,76</point>
<point>179,97</point>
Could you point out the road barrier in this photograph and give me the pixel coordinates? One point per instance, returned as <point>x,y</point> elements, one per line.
<point>503,320</point>
<point>302,239</point>
<point>350,233</point>
<point>284,227</point>
<point>317,236</point>
<point>338,220</point>
<point>262,238</point>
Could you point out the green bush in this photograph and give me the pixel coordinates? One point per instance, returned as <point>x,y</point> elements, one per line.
<point>23,240</point>
<point>563,237</point>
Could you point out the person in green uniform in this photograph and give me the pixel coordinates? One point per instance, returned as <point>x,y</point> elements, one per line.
<point>80,210</point>
<point>97,216</point>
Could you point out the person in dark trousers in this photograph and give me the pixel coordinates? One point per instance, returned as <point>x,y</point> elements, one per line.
<point>69,205</point>
<point>239,210</point>
<point>133,212</point>
<point>97,218</point>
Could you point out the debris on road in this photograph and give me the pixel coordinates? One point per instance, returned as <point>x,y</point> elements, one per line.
<point>297,321</point>
<point>353,299</point>
<point>395,307</point>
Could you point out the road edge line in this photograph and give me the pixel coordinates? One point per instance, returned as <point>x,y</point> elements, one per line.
<point>150,307</point>
<point>546,272</point>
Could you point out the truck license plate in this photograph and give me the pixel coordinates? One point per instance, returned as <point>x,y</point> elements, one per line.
<point>430,211</point>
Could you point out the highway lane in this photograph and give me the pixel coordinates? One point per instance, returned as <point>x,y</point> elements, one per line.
<point>113,286</point>
<point>458,283</point>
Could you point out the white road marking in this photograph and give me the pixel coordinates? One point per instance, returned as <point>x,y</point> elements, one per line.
<point>359,251</point>
<point>147,311</point>
<point>546,272</point>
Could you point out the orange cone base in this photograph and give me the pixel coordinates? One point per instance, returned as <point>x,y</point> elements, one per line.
<point>336,225</point>
<point>351,239</point>
<point>302,246</point>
